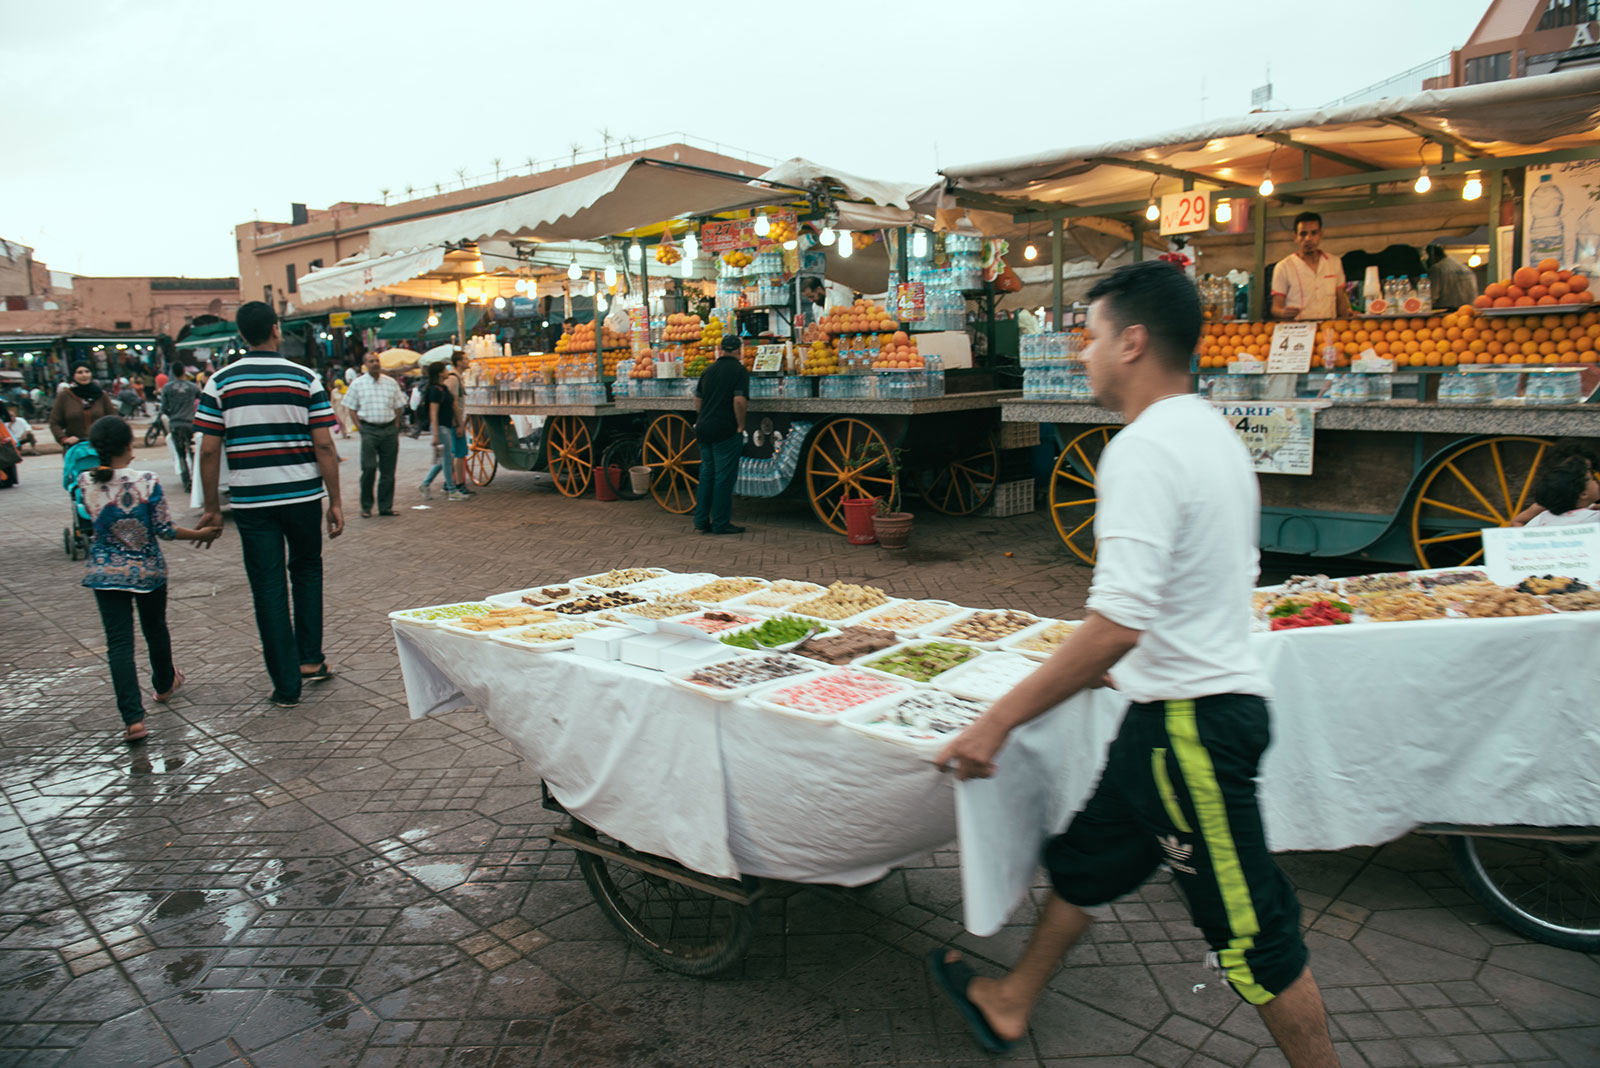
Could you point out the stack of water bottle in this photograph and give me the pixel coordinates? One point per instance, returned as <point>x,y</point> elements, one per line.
<point>885,385</point>
<point>1552,387</point>
<point>945,304</point>
<point>1460,388</point>
<point>1052,366</point>
<point>578,382</point>
<point>965,254</point>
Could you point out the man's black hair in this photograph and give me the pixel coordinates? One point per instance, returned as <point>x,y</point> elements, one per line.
<point>1158,296</point>
<point>1560,483</point>
<point>255,320</point>
<point>1307,216</point>
<point>811,281</point>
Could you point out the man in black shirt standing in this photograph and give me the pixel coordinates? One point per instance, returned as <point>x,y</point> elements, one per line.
<point>720,402</point>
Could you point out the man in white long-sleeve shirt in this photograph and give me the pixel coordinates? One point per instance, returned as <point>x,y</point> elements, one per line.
<point>1169,620</point>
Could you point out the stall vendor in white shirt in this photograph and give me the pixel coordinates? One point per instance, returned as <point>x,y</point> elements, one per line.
<point>1308,283</point>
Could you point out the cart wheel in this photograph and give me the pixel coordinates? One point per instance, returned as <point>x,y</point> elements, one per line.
<point>673,456</point>
<point>676,926</point>
<point>1073,496</point>
<point>67,544</point>
<point>848,457</point>
<point>569,452</point>
<point>152,433</point>
<point>623,454</point>
<point>1547,890</point>
<point>965,482</point>
<point>1484,484</point>
<point>480,462</point>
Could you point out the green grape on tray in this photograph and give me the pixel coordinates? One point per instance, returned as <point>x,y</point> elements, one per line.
<point>923,661</point>
<point>773,632</point>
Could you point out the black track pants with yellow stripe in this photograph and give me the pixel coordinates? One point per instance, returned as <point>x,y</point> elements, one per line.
<point>1179,787</point>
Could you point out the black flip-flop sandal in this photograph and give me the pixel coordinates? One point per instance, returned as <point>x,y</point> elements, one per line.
<point>322,674</point>
<point>952,978</point>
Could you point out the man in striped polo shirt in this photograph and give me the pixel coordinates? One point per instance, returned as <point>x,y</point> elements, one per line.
<point>274,420</point>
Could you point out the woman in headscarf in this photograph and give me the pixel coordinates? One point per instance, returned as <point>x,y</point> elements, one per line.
<point>78,406</point>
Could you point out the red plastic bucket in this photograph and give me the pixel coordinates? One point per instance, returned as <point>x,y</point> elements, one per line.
<point>858,512</point>
<point>604,479</point>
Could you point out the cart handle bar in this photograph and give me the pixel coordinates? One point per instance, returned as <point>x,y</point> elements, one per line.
<point>665,869</point>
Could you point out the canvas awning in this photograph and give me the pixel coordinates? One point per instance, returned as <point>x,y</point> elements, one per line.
<point>616,200</point>
<point>368,271</point>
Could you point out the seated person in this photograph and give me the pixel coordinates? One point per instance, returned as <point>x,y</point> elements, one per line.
<point>1565,493</point>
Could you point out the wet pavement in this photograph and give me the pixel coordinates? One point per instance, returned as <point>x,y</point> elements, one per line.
<point>337,885</point>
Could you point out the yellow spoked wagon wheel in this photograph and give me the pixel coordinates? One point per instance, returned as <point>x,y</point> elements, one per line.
<point>673,456</point>
<point>1073,497</point>
<point>480,461</point>
<point>964,483</point>
<point>848,458</point>
<point>569,451</point>
<point>1483,484</point>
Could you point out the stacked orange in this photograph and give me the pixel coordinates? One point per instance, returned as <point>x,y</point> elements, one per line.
<point>1225,343</point>
<point>682,327</point>
<point>1531,287</point>
<point>580,338</point>
<point>898,353</point>
<point>862,317</point>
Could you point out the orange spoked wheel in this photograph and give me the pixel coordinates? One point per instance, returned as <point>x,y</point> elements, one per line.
<point>481,463</point>
<point>569,453</point>
<point>673,456</point>
<point>1073,496</point>
<point>848,457</point>
<point>1482,484</point>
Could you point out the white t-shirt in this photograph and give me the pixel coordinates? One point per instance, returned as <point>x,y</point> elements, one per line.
<point>1565,519</point>
<point>1178,525</point>
<point>1314,290</point>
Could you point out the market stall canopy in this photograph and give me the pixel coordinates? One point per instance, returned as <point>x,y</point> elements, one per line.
<point>617,200</point>
<point>804,174</point>
<point>1548,113</point>
<point>437,354</point>
<point>397,359</point>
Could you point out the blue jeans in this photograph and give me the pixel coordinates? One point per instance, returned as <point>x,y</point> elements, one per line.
<point>719,469</point>
<point>447,442</point>
<point>116,614</point>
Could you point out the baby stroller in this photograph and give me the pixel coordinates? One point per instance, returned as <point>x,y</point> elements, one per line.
<point>75,537</point>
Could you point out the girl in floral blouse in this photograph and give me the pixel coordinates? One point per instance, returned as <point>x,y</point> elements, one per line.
<point>126,568</point>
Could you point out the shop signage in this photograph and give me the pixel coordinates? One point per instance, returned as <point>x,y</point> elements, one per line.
<point>730,234</point>
<point>769,358</point>
<point>338,320</point>
<point>1279,436</point>
<point>1186,213</point>
<point>911,299</point>
<point>1511,554</point>
<point>1290,353</point>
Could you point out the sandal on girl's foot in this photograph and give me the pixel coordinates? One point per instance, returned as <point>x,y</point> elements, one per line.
<point>136,733</point>
<point>322,674</point>
<point>177,681</point>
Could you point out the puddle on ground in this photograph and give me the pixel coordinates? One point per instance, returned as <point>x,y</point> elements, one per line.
<point>179,972</point>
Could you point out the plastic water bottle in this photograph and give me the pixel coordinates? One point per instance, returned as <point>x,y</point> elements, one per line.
<point>1425,292</point>
<point>1546,233</point>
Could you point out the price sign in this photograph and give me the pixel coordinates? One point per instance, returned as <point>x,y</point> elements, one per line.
<point>1245,365</point>
<point>769,358</point>
<point>1511,554</point>
<point>1291,348</point>
<point>1368,362</point>
<point>1185,213</point>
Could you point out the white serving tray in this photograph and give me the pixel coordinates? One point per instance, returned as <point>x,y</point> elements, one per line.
<point>916,630</point>
<point>676,624</point>
<point>672,582</point>
<point>723,602</point>
<point>513,598</point>
<point>587,581</point>
<point>454,625</point>
<point>848,621</point>
<point>924,742</point>
<point>943,627</point>
<point>1013,644</point>
<point>863,662</point>
<point>782,647</point>
<point>408,616</point>
<point>514,637</point>
<point>680,678</point>
<point>765,697</point>
<point>742,602</point>
<point>964,681</point>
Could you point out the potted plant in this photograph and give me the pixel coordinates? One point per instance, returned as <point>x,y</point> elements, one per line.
<point>893,529</point>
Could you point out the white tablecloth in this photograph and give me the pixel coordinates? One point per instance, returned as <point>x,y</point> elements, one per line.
<point>1377,729</point>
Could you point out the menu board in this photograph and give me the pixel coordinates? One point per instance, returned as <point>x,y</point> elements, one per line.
<point>1511,554</point>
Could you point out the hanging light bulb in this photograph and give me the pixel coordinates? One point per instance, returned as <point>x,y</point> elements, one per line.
<point>1224,211</point>
<point>791,244</point>
<point>433,317</point>
<point>611,276</point>
<point>1030,253</point>
<point>521,286</point>
<point>600,302</point>
<point>827,236</point>
<point>634,252</point>
<point>574,272</point>
<point>686,267</point>
<point>499,303</point>
<point>1266,187</point>
<point>1473,189</point>
<point>919,243</point>
<point>1424,183</point>
<point>691,246</point>
<point>1152,211</point>
<point>1474,260</point>
<point>847,244</point>
<point>477,266</point>
<point>763,226</point>
<point>462,298</point>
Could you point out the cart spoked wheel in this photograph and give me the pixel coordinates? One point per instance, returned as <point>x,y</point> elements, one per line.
<point>848,458</point>
<point>679,919</point>
<point>1484,484</point>
<point>480,463</point>
<point>623,454</point>
<point>673,456</point>
<point>1073,496</point>
<point>569,449</point>
<point>964,483</point>
<point>1546,889</point>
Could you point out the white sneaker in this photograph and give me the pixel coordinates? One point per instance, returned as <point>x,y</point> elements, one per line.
<point>426,491</point>
<point>455,495</point>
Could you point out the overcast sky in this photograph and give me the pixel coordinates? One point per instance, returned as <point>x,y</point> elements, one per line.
<point>137,133</point>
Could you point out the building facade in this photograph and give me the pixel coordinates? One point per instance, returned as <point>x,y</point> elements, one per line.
<point>1523,38</point>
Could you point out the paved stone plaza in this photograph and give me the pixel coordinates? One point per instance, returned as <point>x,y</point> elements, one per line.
<point>338,885</point>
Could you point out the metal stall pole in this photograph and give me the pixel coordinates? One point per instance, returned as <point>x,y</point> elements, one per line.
<point>1258,286</point>
<point>1057,273</point>
<point>1496,191</point>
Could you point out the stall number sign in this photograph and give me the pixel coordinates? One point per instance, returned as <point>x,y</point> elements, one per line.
<point>1511,554</point>
<point>1278,436</point>
<point>1185,213</point>
<point>769,358</point>
<point>1290,353</point>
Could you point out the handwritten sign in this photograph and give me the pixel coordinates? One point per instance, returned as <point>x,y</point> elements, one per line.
<point>1368,362</point>
<point>741,233</point>
<point>769,358</point>
<point>1279,437</point>
<point>1511,554</point>
<point>1247,365</point>
<point>1290,353</point>
<point>1185,213</point>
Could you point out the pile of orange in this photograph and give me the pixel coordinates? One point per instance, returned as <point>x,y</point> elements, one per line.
<point>580,338</point>
<point>1530,287</point>
<point>898,353</point>
<point>862,317</point>
<point>1460,337</point>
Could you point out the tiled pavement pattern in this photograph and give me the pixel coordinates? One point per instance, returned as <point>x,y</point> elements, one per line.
<point>336,885</point>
